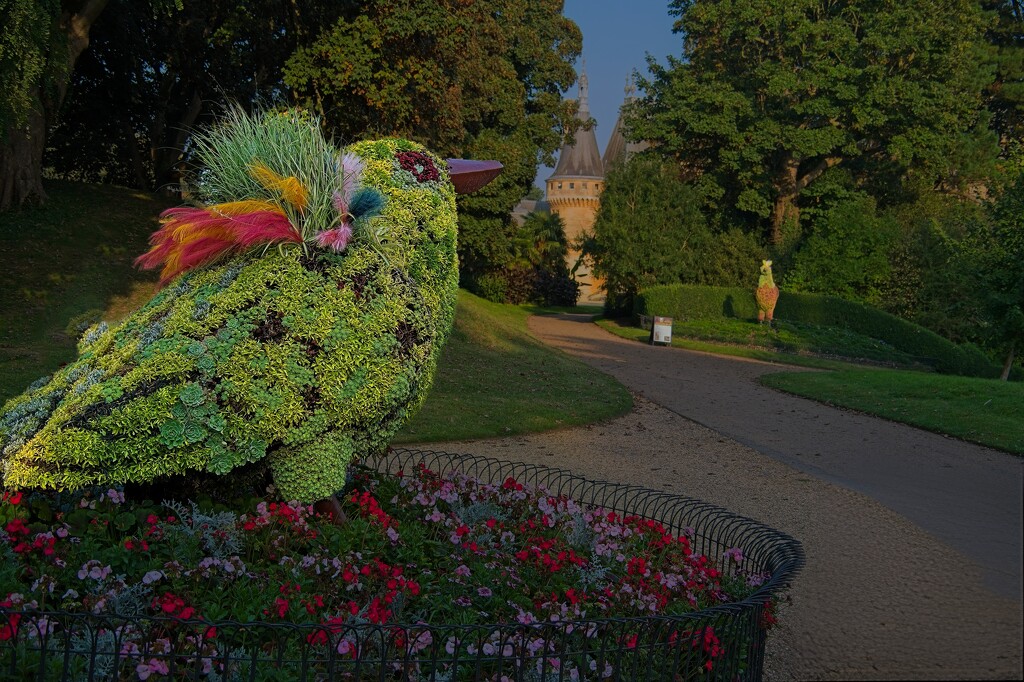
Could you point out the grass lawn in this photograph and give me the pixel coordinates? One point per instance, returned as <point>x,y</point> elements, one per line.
<point>984,411</point>
<point>494,379</point>
<point>73,259</point>
<point>60,262</point>
<point>628,331</point>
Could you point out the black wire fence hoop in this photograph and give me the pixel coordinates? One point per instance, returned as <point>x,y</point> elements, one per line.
<point>55,645</point>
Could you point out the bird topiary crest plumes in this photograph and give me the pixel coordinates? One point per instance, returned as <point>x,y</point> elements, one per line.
<point>308,293</point>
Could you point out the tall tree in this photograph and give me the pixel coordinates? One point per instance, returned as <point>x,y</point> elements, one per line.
<point>648,230</point>
<point>770,94</point>
<point>40,43</point>
<point>150,79</point>
<point>990,261</point>
<point>473,78</point>
<point>1005,96</point>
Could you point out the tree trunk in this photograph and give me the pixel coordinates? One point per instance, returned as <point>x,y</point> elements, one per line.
<point>1008,365</point>
<point>168,155</point>
<point>138,166</point>
<point>785,210</point>
<point>21,152</point>
<point>21,161</point>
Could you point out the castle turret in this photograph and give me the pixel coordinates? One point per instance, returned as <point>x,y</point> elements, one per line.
<point>574,190</point>
<point>619,149</point>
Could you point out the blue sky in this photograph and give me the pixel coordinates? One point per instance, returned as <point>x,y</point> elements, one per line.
<point>617,36</point>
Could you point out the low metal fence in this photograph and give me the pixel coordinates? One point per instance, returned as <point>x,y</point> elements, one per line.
<point>724,642</point>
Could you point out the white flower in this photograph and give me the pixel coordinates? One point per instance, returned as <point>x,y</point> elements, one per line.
<point>152,577</point>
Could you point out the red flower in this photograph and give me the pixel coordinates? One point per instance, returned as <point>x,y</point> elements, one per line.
<point>16,527</point>
<point>12,498</point>
<point>636,566</point>
<point>9,629</point>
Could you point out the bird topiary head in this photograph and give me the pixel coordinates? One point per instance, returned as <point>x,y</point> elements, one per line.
<point>306,295</point>
<point>766,279</point>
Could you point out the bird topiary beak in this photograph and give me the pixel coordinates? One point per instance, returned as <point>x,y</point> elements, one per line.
<point>469,176</point>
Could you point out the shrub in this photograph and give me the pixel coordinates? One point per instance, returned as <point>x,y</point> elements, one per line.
<point>848,254</point>
<point>688,302</point>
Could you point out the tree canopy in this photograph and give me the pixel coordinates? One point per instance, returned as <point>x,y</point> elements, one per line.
<point>475,79</point>
<point>39,48</point>
<point>770,94</point>
<point>648,230</point>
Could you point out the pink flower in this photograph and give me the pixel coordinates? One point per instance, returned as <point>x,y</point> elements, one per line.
<point>93,569</point>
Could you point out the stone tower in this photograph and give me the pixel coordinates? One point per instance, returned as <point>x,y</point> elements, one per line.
<point>574,191</point>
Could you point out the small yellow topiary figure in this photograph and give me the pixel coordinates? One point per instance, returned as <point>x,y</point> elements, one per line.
<point>767,293</point>
<point>308,294</point>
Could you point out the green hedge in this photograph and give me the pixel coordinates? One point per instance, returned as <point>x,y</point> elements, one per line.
<point>691,302</point>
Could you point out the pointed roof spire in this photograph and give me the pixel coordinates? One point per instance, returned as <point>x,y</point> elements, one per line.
<point>581,159</point>
<point>584,111</point>
<point>618,148</point>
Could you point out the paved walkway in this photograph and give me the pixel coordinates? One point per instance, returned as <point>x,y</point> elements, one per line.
<point>913,540</point>
<point>966,495</point>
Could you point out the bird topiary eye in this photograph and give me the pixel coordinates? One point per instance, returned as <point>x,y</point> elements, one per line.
<point>419,165</point>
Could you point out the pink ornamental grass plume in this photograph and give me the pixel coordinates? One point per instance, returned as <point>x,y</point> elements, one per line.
<point>191,237</point>
<point>336,238</point>
<point>351,172</point>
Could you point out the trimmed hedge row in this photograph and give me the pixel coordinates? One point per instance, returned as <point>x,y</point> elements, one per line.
<point>692,302</point>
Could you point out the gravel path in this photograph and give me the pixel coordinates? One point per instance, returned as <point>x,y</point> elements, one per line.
<point>888,592</point>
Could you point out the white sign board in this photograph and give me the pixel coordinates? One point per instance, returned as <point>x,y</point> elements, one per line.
<point>662,332</point>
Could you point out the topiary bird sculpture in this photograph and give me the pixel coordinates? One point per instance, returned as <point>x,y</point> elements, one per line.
<point>305,300</point>
<point>767,294</point>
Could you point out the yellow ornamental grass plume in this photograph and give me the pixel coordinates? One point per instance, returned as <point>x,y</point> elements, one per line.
<point>292,191</point>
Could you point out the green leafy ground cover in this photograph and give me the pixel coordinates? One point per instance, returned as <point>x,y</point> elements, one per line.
<point>984,411</point>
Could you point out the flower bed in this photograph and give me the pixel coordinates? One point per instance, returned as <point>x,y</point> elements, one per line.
<point>459,568</point>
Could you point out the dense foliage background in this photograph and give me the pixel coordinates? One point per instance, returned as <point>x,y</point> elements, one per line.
<point>474,79</point>
<point>873,150</point>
